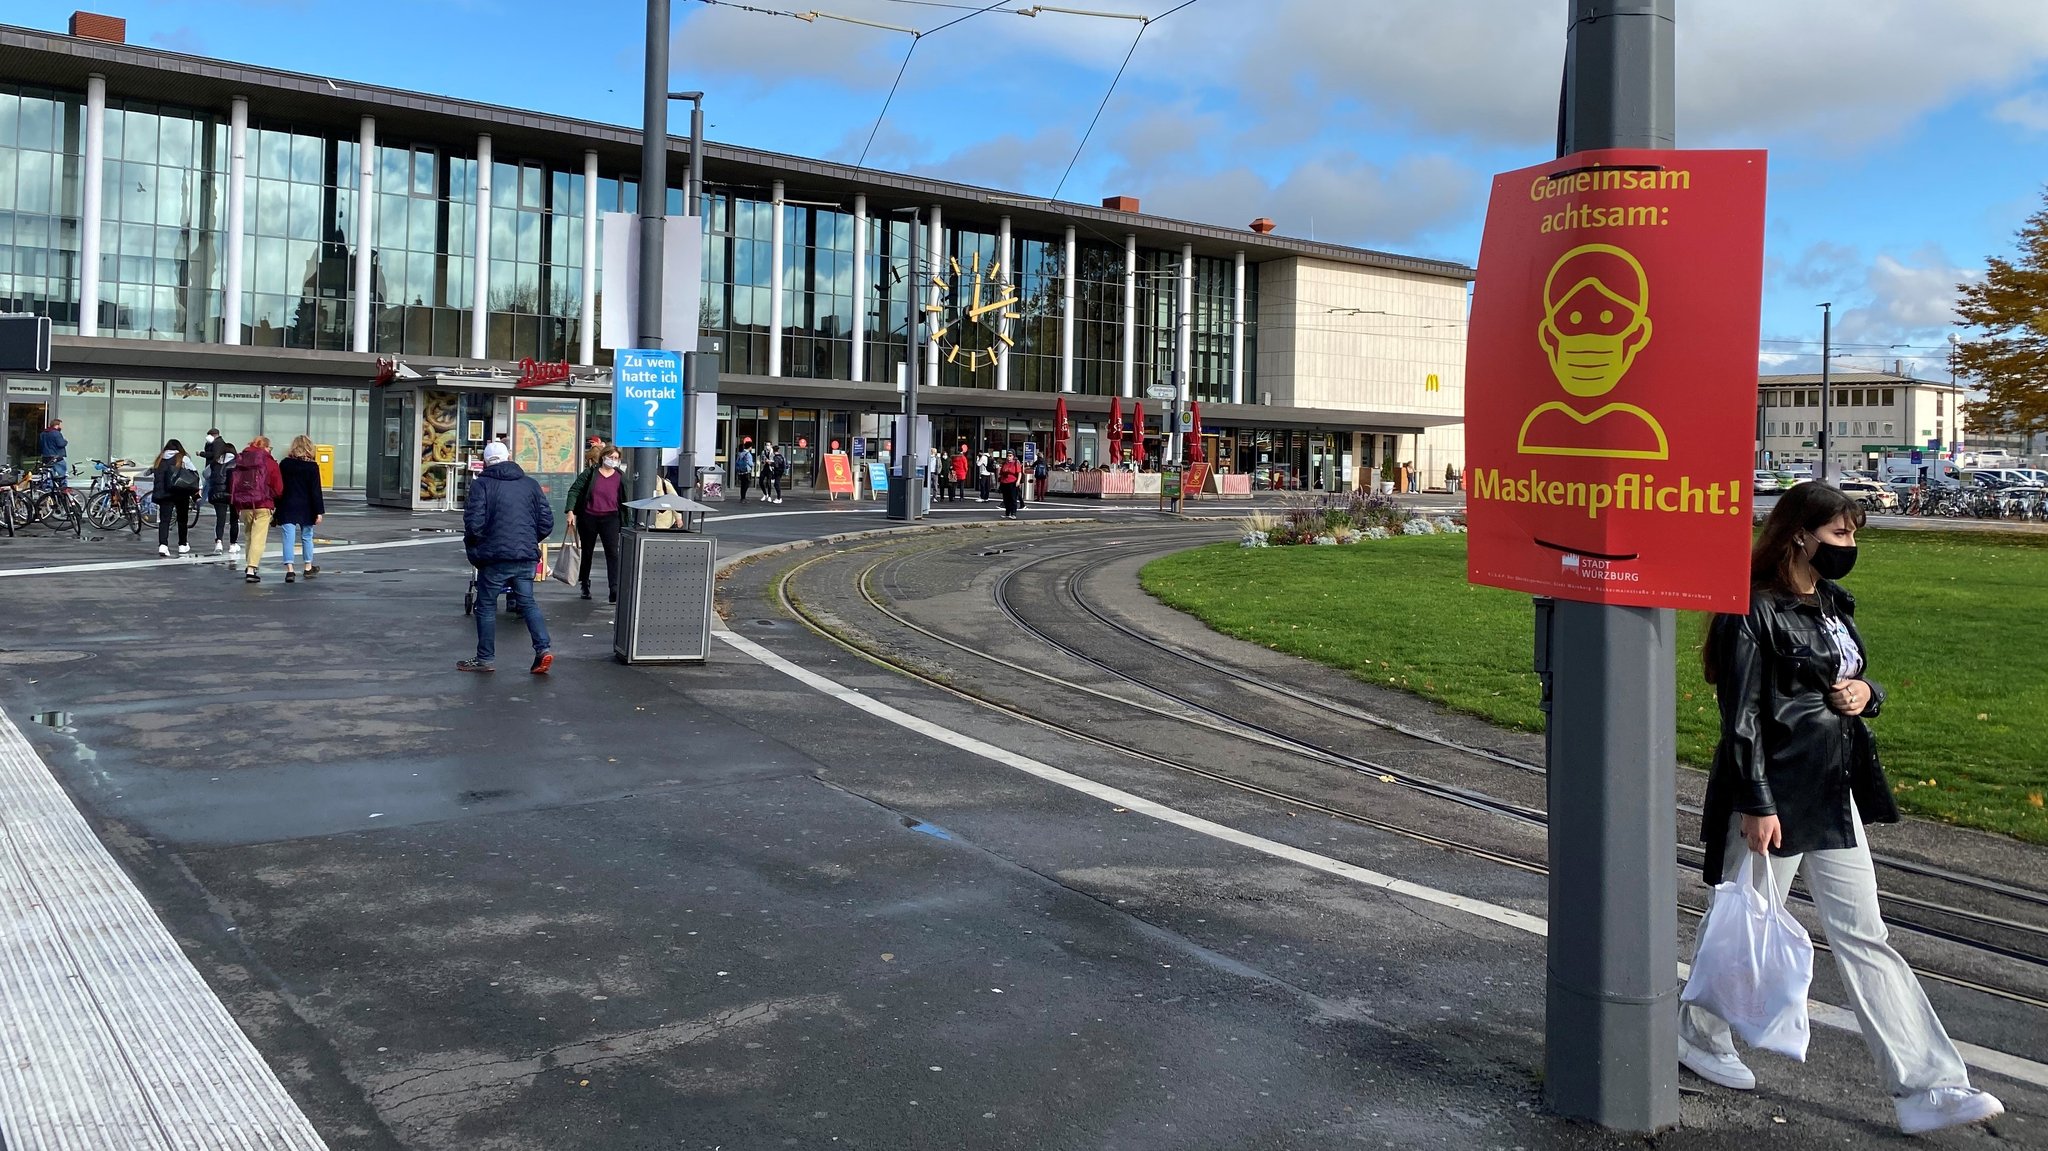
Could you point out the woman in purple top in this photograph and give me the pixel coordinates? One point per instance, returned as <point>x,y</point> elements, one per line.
<point>596,501</point>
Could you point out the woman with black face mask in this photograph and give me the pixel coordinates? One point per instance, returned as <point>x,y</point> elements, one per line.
<point>1796,776</point>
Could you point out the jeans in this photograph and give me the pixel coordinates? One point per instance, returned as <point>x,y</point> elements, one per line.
<point>302,536</point>
<point>589,530</point>
<point>173,508</point>
<point>1912,1051</point>
<point>771,487</point>
<point>491,581</point>
<point>1013,499</point>
<point>256,530</point>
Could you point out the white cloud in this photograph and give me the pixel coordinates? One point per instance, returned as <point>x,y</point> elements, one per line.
<point>1340,197</point>
<point>2029,110</point>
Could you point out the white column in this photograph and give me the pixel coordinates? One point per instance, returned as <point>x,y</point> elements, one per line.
<point>238,185</point>
<point>89,206</point>
<point>776,242</point>
<point>366,228</point>
<point>480,272</point>
<point>935,262</point>
<point>1130,371</point>
<point>1237,337</point>
<point>1001,288</point>
<point>1067,315</point>
<point>860,288</point>
<point>1185,359</point>
<point>586,342</point>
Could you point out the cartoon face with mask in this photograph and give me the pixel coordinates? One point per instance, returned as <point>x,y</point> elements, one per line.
<point>1596,303</point>
<point>1596,320</point>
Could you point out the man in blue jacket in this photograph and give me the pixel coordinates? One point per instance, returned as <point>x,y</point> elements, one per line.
<point>503,522</point>
<point>52,445</point>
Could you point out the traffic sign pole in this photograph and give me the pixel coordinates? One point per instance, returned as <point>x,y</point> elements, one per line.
<point>1611,993</point>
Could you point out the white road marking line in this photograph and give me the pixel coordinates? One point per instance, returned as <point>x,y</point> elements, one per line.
<point>109,1037</point>
<point>209,558</point>
<point>1826,1014</point>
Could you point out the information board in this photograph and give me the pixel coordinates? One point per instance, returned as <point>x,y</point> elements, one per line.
<point>647,399</point>
<point>1612,410</point>
<point>838,474</point>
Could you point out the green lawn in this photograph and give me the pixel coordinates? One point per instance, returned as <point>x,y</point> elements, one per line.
<point>1954,621</point>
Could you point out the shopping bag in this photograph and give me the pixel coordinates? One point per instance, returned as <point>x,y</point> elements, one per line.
<point>567,559</point>
<point>540,566</point>
<point>1754,963</point>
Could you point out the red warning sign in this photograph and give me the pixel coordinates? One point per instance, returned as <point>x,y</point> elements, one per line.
<point>1611,379</point>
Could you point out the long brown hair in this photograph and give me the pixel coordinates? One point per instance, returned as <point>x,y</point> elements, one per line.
<point>1800,512</point>
<point>302,448</point>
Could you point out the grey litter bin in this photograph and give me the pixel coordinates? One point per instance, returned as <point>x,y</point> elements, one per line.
<point>665,611</point>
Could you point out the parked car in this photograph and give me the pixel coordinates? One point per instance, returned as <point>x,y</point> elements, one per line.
<point>1872,495</point>
<point>1768,482</point>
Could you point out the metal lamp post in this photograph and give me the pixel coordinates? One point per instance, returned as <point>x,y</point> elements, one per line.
<point>906,442</point>
<point>1827,358</point>
<point>686,460</point>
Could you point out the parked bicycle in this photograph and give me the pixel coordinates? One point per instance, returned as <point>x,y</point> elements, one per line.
<point>45,496</point>
<point>112,500</point>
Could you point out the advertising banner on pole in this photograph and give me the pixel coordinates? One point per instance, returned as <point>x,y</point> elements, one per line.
<point>1612,379</point>
<point>647,399</point>
<point>682,281</point>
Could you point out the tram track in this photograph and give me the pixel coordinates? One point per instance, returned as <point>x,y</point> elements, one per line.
<point>1219,721</point>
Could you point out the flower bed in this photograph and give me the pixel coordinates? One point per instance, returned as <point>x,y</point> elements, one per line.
<point>1337,520</point>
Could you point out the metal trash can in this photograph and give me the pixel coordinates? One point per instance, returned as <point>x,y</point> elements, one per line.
<point>665,609</point>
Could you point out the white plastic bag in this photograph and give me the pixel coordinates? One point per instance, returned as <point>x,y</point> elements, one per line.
<point>1754,963</point>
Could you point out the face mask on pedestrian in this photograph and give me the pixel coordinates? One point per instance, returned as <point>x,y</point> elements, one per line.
<point>611,461</point>
<point>1833,561</point>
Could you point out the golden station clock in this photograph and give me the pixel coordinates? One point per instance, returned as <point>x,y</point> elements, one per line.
<point>975,303</point>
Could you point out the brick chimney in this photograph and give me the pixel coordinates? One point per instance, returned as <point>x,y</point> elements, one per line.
<point>93,26</point>
<point>1120,203</point>
<point>1263,225</point>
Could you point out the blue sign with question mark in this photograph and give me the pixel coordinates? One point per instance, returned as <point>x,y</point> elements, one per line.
<point>647,399</point>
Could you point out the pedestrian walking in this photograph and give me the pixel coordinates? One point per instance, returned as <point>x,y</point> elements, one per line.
<point>220,473</point>
<point>958,468</point>
<point>743,466</point>
<point>208,454</point>
<point>774,466</point>
<point>1451,478</point>
<point>257,484</point>
<point>53,447</point>
<point>984,474</point>
<point>1796,776</point>
<point>175,485</point>
<point>1011,476</point>
<point>594,506</point>
<point>301,506</point>
<point>503,522</point>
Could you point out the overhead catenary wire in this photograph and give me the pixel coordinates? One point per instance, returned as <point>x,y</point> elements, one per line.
<point>1114,81</point>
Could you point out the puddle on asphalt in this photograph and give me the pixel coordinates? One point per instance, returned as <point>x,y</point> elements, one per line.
<point>58,720</point>
<point>923,828</point>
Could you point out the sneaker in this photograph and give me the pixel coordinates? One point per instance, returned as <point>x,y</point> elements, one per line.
<point>312,570</point>
<point>542,662</point>
<point>184,550</point>
<point>163,551</point>
<point>476,665</point>
<point>219,548</point>
<point>1946,1107</point>
<point>1727,1070</point>
<point>290,576</point>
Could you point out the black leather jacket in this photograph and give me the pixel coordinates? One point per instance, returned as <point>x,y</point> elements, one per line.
<point>1783,751</point>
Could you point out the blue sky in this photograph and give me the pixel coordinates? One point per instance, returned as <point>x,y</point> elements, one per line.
<point>1907,138</point>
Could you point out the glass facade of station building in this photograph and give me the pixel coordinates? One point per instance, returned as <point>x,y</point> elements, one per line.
<point>164,244</point>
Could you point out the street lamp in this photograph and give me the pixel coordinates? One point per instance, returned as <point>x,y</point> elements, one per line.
<point>906,440</point>
<point>1827,318</point>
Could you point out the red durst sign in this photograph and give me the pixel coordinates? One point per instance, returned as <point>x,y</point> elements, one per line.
<point>1611,379</point>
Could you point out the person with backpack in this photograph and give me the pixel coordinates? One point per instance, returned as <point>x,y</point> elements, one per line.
<point>301,506</point>
<point>504,519</point>
<point>1010,475</point>
<point>984,473</point>
<point>743,466</point>
<point>774,466</point>
<point>175,485</point>
<point>254,490</point>
<point>220,473</point>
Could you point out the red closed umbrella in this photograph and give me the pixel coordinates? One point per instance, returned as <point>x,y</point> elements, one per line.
<point>1116,429</point>
<point>1062,429</point>
<point>1138,430</point>
<point>1196,453</point>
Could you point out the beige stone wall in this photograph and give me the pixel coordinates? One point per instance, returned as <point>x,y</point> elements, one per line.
<point>1341,336</point>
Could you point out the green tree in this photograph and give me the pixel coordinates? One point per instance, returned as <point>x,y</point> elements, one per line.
<point>2010,362</point>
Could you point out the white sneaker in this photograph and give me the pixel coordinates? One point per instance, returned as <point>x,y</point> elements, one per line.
<point>184,550</point>
<point>1946,1107</point>
<point>163,551</point>
<point>234,549</point>
<point>1727,1070</point>
<point>219,548</point>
